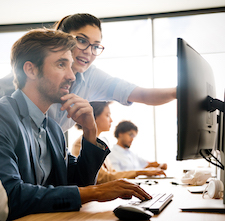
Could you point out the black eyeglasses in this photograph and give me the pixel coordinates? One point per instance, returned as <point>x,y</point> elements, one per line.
<point>83,44</point>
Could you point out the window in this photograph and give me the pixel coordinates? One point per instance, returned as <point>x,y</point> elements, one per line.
<point>128,55</point>
<point>205,34</point>
<point>7,39</point>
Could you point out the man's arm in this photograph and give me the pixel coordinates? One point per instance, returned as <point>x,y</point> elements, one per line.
<point>152,96</point>
<point>112,190</point>
<point>83,171</point>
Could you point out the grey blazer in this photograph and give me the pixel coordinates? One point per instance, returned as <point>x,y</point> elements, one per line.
<point>18,163</point>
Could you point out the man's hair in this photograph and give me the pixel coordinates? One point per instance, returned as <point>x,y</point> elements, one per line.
<point>123,127</point>
<point>76,22</point>
<point>34,46</point>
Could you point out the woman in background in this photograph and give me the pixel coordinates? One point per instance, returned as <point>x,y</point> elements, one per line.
<point>103,120</point>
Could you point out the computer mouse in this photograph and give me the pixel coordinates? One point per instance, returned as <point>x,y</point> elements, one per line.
<point>129,212</point>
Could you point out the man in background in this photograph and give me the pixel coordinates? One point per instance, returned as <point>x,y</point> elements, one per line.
<point>121,157</point>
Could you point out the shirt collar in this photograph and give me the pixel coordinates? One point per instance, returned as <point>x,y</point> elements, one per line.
<point>121,149</point>
<point>35,113</point>
<point>79,77</point>
<point>82,76</point>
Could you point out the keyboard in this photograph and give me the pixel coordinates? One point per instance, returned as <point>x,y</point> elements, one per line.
<point>158,202</point>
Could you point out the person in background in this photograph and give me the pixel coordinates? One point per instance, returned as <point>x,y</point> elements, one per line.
<point>107,173</point>
<point>38,173</point>
<point>121,157</point>
<point>4,210</point>
<point>92,83</point>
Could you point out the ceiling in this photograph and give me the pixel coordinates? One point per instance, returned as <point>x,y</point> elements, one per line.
<point>30,11</point>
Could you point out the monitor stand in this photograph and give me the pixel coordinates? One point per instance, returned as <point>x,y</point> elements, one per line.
<point>215,104</point>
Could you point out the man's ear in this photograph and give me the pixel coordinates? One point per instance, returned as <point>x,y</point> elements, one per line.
<point>30,70</point>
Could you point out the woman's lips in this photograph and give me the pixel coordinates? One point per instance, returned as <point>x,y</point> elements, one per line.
<point>82,60</point>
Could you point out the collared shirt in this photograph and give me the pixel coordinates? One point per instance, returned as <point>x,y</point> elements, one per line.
<point>42,151</point>
<point>93,85</point>
<point>124,159</point>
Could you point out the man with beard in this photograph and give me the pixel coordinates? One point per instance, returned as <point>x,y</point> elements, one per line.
<point>38,173</point>
<point>122,158</point>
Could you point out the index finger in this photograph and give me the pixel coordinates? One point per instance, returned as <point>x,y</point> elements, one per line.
<point>139,192</point>
<point>68,100</point>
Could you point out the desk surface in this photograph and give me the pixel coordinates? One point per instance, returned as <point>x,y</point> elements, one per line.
<point>103,210</point>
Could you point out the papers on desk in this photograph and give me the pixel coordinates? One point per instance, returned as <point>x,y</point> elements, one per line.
<point>196,189</point>
<point>204,205</point>
<point>154,177</point>
<point>200,204</point>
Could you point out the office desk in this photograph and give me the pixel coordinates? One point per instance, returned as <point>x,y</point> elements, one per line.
<point>102,211</point>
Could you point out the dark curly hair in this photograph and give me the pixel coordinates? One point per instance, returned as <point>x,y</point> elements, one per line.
<point>123,127</point>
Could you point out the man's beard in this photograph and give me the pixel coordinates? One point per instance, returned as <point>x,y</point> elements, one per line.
<point>56,97</point>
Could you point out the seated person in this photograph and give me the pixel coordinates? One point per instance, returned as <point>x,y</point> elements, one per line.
<point>3,203</point>
<point>107,173</point>
<point>38,173</point>
<point>121,157</point>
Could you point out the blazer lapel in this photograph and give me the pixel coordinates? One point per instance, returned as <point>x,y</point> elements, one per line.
<point>25,119</point>
<point>58,160</point>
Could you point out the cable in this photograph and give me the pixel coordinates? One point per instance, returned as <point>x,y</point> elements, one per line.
<point>218,163</point>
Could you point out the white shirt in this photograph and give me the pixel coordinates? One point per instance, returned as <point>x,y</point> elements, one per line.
<point>124,159</point>
<point>93,85</point>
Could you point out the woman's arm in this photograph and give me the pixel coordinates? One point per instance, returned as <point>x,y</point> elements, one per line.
<point>152,96</point>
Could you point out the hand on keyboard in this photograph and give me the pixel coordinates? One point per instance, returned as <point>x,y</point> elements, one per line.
<point>158,202</point>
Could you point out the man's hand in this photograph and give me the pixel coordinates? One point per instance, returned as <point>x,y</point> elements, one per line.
<point>112,190</point>
<point>81,112</point>
<point>152,164</point>
<point>162,166</point>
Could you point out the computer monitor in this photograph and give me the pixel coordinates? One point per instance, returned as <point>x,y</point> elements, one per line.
<point>196,124</point>
<point>197,106</point>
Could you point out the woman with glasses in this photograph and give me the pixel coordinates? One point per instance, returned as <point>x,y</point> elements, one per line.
<point>92,83</point>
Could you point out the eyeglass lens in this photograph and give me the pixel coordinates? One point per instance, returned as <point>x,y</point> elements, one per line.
<point>83,44</point>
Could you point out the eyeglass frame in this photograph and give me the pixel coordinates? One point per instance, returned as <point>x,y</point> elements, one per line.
<point>76,37</point>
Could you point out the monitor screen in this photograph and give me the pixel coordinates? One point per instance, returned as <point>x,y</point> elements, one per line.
<point>196,125</point>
